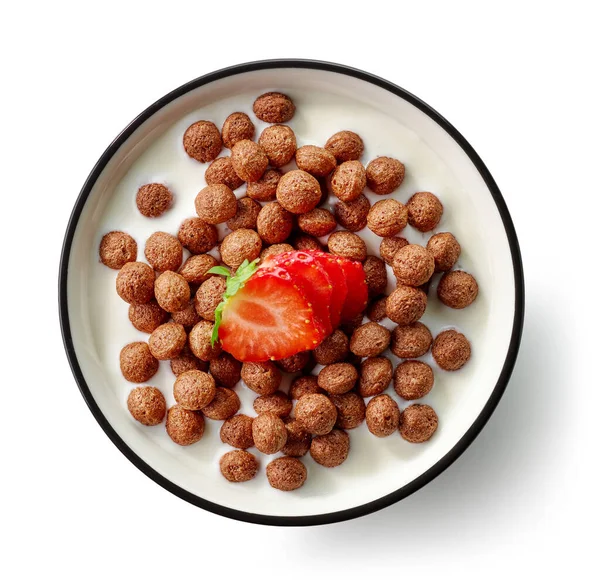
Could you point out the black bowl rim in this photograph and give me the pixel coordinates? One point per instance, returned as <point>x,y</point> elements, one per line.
<point>433,471</point>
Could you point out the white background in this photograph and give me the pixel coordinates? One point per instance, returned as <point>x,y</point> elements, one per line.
<point>519,80</point>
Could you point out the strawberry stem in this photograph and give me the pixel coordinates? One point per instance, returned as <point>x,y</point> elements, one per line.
<point>234,284</point>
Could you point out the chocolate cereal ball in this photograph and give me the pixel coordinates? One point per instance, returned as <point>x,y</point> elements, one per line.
<point>294,363</point>
<point>304,385</point>
<point>286,473</point>
<point>376,275</point>
<point>306,242</point>
<point>238,466</point>
<point>351,410</point>
<point>163,252</point>
<point>411,341</point>
<point>318,222</point>
<point>263,378</point>
<point>274,108</point>
<point>331,449</point>
<point>338,378</point>
<point>375,376</point>
<point>236,127</point>
<point>298,192</point>
<point>216,204</point>
<point>413,380</point>
<point>348,180</point>
<point>389,246</point>
<point>135,283</point>
<point>265,188</point>
<point>278,403</point>
<point>153,200</point>
<point>347,245</point>
<point>353,215</point>
<point>249,160</point>
<point>167,341</point>
<point>383,416</point>
<point>298,440</point>
<point>186,361</point>
<point>172,291</point>
<point>116,249</point>
<point>199,340</point>
<point>451,350</point>
<point>376,310</point>
<point>240,245</point>
<point>246,214</point>
<point>197,235</point>
<point>424,211</point>
<point>184,427</point>
<point>445,251</point>
<point>418,422</point>
<point>406,305</point>
<point>187,317</point>
<point>333,349</point>
<point>146,317</point>
<point>237,432</point>
<point>194,390</point>
<point>369,340</point>
<point>226,370</point>
<point>413,265</point>
<point>314,160</point>
<point>384,175</point>
<point>279,144</point>
<point>137,362</point>
<point>202,141</point>
<point>349,326</point>
<point>457,289</point>
<point>274,250</point>
<point>274,223</point>
<point>345,145</point>
<point>147,405</point>
<point>269,433</point>
<point>223,406</point>
<point>195,268</point>
<point>220,171</point>
<point>316,413</point>
<point>387,217</point>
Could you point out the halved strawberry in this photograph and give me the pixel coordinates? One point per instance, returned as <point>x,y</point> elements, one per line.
<point>269,318</point>
<point>313,280</point>
<point>331,264</point>
<point>358,293</point>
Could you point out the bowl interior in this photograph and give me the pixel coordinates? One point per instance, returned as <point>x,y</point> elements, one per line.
<point>326,103</point>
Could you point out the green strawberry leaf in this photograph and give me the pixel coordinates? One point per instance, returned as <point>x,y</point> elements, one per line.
<point>234,284</point>
<point>220,271</point>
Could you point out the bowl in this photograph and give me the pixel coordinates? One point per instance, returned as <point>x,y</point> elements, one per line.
<point>329,97</point>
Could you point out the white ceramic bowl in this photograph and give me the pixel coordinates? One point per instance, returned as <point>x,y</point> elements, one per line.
<point>392,122</point>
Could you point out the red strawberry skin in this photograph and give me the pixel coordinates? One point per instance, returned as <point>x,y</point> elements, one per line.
<point>332,265</point>
<point>269,318</point>
<point>358,292</point>
<point>313,280</point>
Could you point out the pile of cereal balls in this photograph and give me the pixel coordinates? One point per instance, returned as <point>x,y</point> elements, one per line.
<point>323,396</point>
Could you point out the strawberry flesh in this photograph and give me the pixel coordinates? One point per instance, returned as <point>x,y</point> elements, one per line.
<point>358,293</point>
<point>269,318</point>
<point>313,280</point>
<point>332,265</point>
